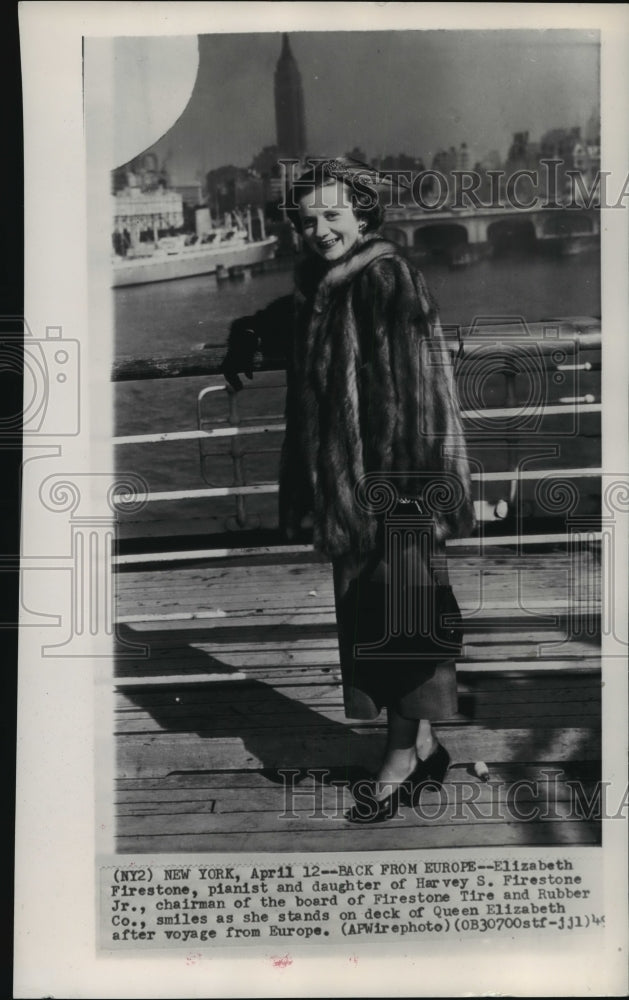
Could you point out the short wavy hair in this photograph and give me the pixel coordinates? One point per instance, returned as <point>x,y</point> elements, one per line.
<point>361,181</point>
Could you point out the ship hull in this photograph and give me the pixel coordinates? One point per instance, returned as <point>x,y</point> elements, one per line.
<point>190,264</point>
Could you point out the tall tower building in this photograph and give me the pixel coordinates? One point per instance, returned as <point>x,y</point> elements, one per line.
<point>290,119</point>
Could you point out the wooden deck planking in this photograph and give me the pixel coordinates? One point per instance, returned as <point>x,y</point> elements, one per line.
<point>210,807</point>
<point>224,800</point>
<point>529,688</point>
<point>506,578</point>
<point>193,782</point>
<point>384,837</point>
<point>222,813</point>
<point>267,712</point>
<point>325,690</point>
<point>304,745</point>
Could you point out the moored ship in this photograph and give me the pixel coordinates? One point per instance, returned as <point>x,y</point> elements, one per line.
<point>150,242</point>
<point>173,258</point>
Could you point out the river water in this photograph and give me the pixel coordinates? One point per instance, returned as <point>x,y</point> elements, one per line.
<point>171,317</point>
<point>175,317</point>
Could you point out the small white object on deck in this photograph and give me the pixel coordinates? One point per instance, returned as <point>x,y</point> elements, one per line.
<point>481,770</point>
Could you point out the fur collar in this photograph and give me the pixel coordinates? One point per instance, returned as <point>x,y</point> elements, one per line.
<point>312,274</point>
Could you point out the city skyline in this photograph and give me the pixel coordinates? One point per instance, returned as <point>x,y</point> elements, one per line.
<point>386,92</point>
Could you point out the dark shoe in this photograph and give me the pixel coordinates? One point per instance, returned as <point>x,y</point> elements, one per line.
<point>433,769</point>
<point>368,809</point>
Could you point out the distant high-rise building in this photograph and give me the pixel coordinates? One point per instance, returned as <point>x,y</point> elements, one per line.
<point>464,157</point>
<point>290,118</point>
<point>593,129</point>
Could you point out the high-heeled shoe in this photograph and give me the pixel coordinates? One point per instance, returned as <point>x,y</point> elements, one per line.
<point>368,809</point>
<point>433,769</point>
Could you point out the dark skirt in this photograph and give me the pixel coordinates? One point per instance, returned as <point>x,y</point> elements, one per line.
<point>415,686</point>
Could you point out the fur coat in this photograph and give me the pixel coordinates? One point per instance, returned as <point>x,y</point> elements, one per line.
<point>369,390</point>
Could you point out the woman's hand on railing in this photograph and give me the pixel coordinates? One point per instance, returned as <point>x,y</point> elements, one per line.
<point>241,349</point>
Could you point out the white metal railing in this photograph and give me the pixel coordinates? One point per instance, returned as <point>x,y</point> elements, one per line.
<point>514,476</point>
<point>586,404</point>
<point>233,428</point>
<point>188,555</point>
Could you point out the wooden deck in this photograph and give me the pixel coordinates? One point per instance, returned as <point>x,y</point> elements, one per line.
<point>241,685</point>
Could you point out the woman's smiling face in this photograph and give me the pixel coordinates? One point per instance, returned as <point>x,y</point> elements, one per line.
<point>328,223</point>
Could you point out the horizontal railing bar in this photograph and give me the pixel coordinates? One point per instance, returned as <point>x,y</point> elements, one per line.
<point>209,360</point>
<point>231,491</point>
<point>517,475</point>
<point>205,362</point>
<point>210,491</point>
<point>507,411</point>
<point>549,539</point>
<point>218,432</point>
<point>265,550</point>
<point>185,554</point>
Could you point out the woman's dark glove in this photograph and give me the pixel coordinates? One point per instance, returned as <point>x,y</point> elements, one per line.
<point>241,349</point>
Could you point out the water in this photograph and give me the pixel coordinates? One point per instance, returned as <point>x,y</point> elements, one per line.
<point>172,317</point>
<point>175,317</point>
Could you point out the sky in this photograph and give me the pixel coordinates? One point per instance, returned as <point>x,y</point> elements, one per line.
<point>387,92</point>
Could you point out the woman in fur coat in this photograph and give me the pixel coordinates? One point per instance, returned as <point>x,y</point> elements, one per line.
<point>373,437</point>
